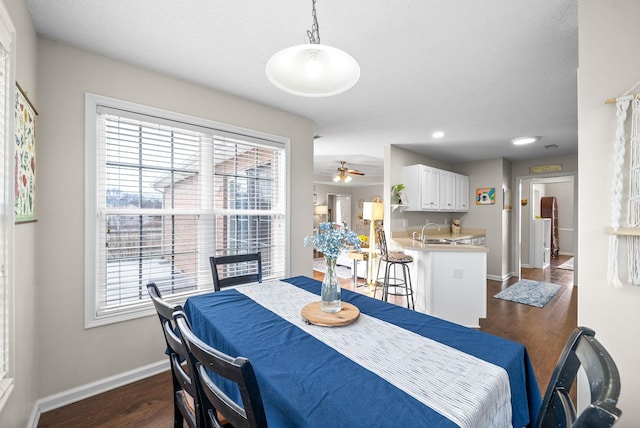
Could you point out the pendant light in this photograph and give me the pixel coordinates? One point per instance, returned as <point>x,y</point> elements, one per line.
<point>313,70</point>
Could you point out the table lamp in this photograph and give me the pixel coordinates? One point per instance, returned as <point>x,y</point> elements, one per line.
<point>372,211</point>
<point>320,210</point>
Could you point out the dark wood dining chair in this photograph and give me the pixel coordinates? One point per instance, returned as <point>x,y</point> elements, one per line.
<point>205,360</point>
<point>558,410</point>
<point>186,406</point>
<point>235,269</point>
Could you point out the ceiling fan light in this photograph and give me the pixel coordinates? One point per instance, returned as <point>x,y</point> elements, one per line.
<point>336,178</point>
<point>347,179</point>
<point>313,70</point>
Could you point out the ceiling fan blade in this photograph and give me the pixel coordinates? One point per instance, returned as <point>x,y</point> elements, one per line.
<point>354,172</point>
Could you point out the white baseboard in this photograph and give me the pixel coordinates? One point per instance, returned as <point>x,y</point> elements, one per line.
<point>500,278</point>
<point>94,388</point>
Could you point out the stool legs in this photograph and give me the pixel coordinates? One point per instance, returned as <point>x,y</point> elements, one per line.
<point>404,283</point>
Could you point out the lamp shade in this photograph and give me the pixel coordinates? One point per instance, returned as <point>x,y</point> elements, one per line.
<point>373,211</point>
<point>320,210</point>
<point>313,70</point>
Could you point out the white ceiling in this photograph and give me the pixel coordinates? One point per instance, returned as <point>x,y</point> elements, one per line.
<point>484,72</point>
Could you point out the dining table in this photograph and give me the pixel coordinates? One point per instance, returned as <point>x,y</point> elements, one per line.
<point>391,366</point>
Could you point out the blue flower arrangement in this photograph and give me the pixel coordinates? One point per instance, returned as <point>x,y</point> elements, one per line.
<point>332,239</point>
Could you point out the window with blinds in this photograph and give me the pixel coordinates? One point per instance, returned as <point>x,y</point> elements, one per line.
<point>7,91</point>
<point>172,191</point>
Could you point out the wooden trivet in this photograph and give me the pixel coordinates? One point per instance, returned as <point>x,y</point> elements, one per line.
<point>313,314</point>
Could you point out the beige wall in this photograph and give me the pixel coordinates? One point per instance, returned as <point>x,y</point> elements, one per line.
<point>74,356</point>
<point>489,173</point>
<point>24,359</point>
<point>609,65</point>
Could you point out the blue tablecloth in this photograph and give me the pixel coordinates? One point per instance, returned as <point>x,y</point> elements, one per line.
<point>305,383</point>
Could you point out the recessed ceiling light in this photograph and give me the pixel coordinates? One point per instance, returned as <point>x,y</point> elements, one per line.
<point>438,134</point>
<point>524,140</point>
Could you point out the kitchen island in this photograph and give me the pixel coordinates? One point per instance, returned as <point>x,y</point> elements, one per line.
<point>449,280</point>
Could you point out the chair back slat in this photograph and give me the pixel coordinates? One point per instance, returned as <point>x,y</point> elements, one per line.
<point>235,269</point>
<point>381,242</point>
<point>582,350</point>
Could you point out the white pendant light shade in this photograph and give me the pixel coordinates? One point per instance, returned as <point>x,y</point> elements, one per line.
<point>313,70</point>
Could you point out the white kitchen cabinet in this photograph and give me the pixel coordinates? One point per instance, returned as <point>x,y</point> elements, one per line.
<point>541,243</point>
<point>479,241</point>
<point>433,189</point>
<point>461,192</point>
<point>451,285</point>
<point>447,191</point>
<point>430,188</point>
<point>422,187</point>
<point>412,180</point>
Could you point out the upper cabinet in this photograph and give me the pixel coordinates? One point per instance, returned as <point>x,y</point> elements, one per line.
<point>462,192</point>
<point>433,189</point>
<point>447,191</point>
<point>430,189</point>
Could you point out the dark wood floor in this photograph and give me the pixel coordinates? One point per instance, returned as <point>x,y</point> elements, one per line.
<point>148,403</point>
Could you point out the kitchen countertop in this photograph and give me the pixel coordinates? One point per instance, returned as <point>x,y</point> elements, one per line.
<point>405,241</point>
<point>412,244</point>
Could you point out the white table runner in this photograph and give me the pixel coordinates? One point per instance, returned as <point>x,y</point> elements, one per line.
<point>465,389</point>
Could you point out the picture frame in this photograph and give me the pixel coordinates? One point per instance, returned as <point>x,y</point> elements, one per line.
<point>25,158</point>
<point>486,196</point>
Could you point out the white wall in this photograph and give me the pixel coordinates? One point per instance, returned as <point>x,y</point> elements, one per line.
<point>24,344</point>
<point>489,173</point>
<point>72,356</point>
<point>505,230</point>
<point>357,193</point>
<point>564,197</point>
<point>609,65</point>
<point>364,194</point>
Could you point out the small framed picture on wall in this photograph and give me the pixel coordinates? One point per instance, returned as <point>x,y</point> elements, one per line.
<point>486,196</point>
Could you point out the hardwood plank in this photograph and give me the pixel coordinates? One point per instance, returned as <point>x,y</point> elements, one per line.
<point>146,403</point>
<point>544,331</point>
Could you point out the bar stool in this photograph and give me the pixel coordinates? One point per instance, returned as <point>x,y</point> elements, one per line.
<point>399,286</point>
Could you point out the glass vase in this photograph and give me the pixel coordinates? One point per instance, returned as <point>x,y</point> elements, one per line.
<point>330,292</point>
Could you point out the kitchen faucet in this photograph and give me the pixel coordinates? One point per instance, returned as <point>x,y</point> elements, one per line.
<point>425,226</point>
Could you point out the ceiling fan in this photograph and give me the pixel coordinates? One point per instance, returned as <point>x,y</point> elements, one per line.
<point>343,173</point>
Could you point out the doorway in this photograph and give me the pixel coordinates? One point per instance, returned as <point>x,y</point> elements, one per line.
<point>530,190</point>
<point>339,209</point>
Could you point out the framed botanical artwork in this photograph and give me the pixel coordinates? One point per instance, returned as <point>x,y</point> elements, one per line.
<point>486,196</point>
<point>25,158</point>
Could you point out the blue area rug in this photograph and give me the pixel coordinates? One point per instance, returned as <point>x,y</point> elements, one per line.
<point>529,292</point>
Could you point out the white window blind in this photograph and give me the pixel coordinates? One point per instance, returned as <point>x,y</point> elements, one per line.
<point>170,194</point>
<point>7,91</point>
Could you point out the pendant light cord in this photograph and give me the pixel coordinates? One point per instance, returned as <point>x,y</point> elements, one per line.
<point>314,33</point>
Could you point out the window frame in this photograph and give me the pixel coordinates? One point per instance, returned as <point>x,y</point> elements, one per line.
<point>7,221</point>
<point>92,169</point>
